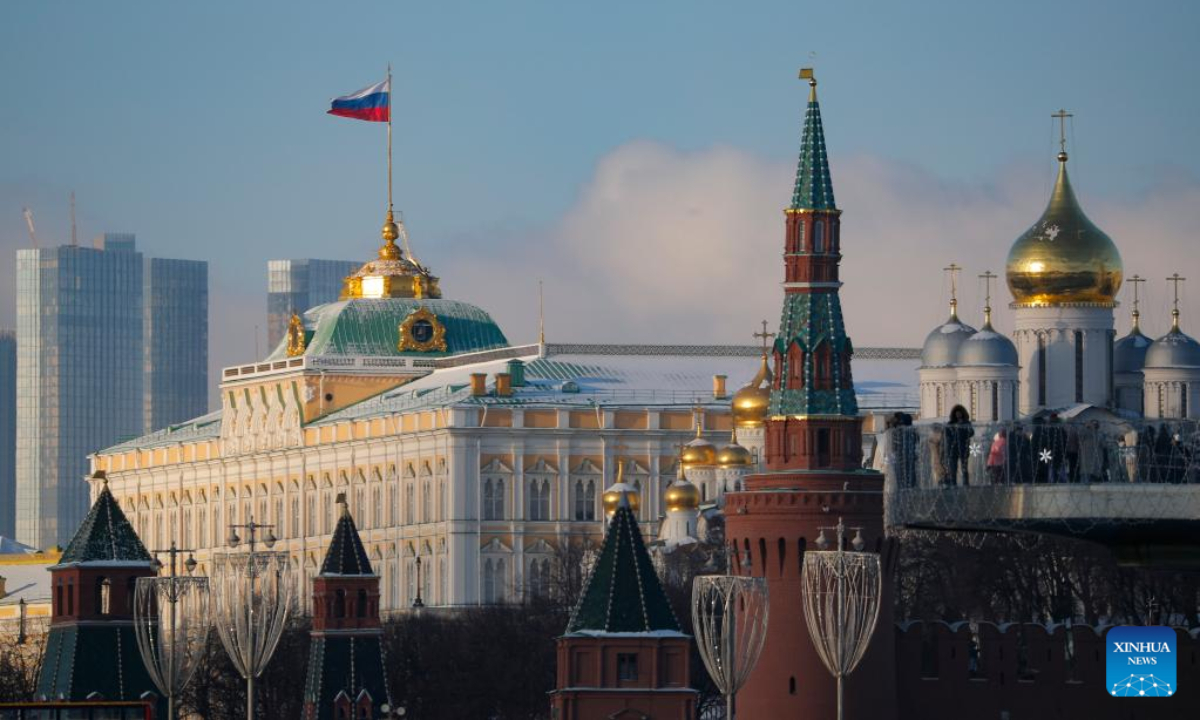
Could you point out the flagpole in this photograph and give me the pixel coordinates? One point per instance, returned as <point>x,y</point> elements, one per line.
<point>389,137</point>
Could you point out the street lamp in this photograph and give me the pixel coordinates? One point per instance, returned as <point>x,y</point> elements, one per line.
<point>252,596</point>
<point>729,617</point>
<point>417,603</point>
<point>171,646</point>
<point>841,591</point>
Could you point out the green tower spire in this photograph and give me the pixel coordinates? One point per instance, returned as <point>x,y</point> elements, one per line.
<point>814,186</point>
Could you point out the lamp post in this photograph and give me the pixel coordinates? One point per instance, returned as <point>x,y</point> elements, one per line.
<point>252,596</point>
<point>729,617</point>
<point>171,646</point>
<point>841,591</point>
<point>417,602</point>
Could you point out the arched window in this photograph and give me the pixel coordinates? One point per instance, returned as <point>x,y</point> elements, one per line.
<point>376,509</point>
<point>70,597</point>
<point>103,596</point>
<point>339,603</point>
<point>426,502</point>
<point>409,503</point>
<point>578,499</point>
<point>589,501</point>
<point>819,236</point>
<point>539,499</point>
<point>360,607</point>
<point>489,582</point>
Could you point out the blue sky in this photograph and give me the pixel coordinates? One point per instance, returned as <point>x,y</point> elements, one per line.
<point>201,127</point>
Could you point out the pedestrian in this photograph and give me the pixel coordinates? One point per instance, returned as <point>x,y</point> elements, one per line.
<point>958,444</point>
<point>997,457</point>
<point>1089,452</point>
<point>1020,456</point>
<point>937,455</point>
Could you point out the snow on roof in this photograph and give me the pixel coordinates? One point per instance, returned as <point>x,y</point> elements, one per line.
<point>25,581</point>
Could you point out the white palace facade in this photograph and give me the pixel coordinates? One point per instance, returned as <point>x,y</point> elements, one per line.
<point>468,463</point>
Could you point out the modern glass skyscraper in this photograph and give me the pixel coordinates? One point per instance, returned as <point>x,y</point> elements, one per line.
<point>297,285</point>
<point>175,332</point>
<point>79,376</point>
<point>8,433</point>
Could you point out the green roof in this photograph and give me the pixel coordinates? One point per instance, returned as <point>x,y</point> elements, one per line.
<point>814,186</point>
<point>346,555</point>
<point>371,327</point>
<point>623,594</point>
<point>812,320</point>
<point>105,536</point>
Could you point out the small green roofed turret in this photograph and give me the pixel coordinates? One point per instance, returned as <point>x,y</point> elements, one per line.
<point>346,555</point>
<point>623,594</point>
<point>105,536</point>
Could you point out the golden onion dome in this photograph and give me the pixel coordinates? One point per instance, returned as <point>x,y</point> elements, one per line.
<point>750,404</point>
<point>698,452</point>
<point>682,495</point>
<point>611,499</point>
<point>1064,258</point>
<point>391,274</point>
<point>733,454</point>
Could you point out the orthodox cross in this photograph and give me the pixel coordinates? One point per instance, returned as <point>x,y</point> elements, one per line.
<point>987,277</point>
<point>1062,116</point>
<point>953,269</point>
<point>766,336</point>
<point>1135,281</point>
<point>1176,279</point>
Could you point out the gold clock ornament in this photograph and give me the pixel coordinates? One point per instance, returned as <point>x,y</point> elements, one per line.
<point>421,331</point>
<point>296,341</point>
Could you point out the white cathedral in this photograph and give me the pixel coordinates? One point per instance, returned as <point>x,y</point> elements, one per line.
<point>1064,274</point>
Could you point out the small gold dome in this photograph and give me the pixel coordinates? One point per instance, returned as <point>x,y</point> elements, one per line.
<point>750,404</point>
<point>698,452</point>
<point>611,499</point>
<point>682,495</point>
<point>1064,258</point>
<point>733,454</point>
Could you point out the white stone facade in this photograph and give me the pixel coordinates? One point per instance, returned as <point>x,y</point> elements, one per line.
<point>1065,355</point>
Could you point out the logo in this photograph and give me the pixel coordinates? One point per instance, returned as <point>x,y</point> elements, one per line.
<point>1141,661</point>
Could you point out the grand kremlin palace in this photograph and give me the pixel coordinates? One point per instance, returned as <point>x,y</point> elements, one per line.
<point>468,462</point>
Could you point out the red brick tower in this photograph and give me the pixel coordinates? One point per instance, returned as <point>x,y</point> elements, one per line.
<point>346,679</point>
<point>813,470</point>
<point>623,655</point>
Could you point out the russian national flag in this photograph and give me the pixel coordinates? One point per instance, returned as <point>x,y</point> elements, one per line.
<point>371,103</point>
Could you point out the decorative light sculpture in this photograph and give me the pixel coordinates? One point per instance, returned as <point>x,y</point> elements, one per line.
<point>171,619</point>
<point>252,597</point>
<point>729,617</point>
<point>841,592</point>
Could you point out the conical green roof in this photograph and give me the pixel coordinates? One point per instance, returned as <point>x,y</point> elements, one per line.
<point>623,594</point>
<point>814,186</point>
<point>346,555</point>
<point>105,536</point>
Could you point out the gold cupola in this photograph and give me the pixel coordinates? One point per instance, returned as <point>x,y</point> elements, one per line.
<point>611,499</point>
<point>682,495</point>
<point>1064,259</point>
<point>699,451</point>
<point>733,454</point>
<point>751,402</point>
<point>391,274</point>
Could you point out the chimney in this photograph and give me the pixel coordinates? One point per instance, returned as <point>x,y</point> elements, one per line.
<point>719,387</point>
<point>516,368</point>
<point>478,384</point>
<point>503,385</point>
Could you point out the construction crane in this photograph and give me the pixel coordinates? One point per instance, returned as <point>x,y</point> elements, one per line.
<point>29,222</point>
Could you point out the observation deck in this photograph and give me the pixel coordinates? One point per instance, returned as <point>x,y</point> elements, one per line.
<point>1132,486</point>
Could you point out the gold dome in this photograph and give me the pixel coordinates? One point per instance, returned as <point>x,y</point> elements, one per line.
<point>391,274</point>
<point>698,452</point>
<point>682,495</point>
<point>734,455</point>
<point>1064,258</point>
<point>750,404</point>
<point>611,499</point>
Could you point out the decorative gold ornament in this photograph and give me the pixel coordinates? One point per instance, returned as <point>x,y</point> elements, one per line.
<point>296,340</point>
<point>391,274</point>
<point>699,451</point>
<point>421,331</point>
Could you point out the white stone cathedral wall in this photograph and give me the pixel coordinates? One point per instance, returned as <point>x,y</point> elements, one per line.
<point>1165,389</point>
<point>1058,325</point>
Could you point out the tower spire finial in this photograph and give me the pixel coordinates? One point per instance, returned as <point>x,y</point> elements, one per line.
<point>764,336</point>
<point>953,269</point>
<point>1176,279</point>
<point>807,74</point>
<point>1136,314</point>
<point>1062,116</point>
<point>987,277</point>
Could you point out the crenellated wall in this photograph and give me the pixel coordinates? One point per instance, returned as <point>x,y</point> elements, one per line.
<point>1025,670</point>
